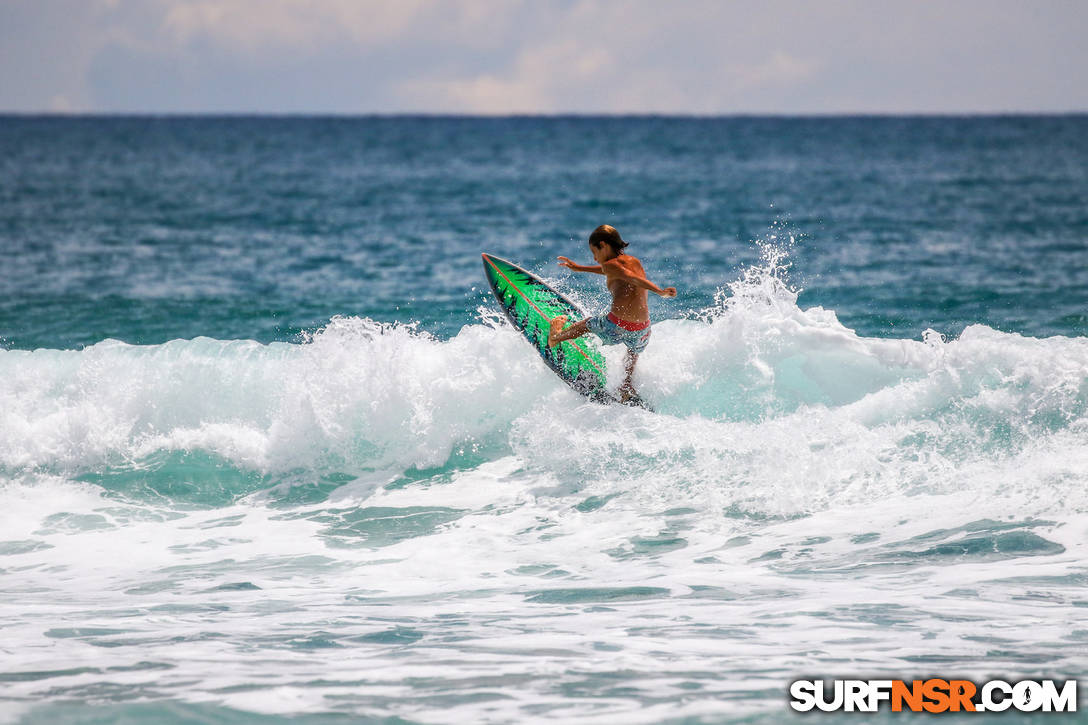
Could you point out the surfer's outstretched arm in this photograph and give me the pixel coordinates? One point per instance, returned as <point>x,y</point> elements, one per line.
<point>594,268</point>
<point>618,271</point>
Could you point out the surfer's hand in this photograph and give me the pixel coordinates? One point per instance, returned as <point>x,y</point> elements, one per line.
<point>564,262</point>
<point>668,292</point>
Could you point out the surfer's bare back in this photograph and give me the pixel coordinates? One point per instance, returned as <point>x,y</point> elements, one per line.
<point>628,322</point>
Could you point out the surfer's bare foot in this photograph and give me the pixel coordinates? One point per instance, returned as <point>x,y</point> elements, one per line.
<point>627,392</point>
<point>555,329</point>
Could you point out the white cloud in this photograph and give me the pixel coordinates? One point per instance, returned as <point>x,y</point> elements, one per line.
<point>537,82</point>
<point>619,57</point>
<point>504,56</point>
<point>262,24</point>
<point>780,69</point>
<point>60,104</point>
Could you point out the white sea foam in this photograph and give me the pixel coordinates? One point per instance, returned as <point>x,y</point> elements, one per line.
<point>485,545</point>
<point>740,389</point>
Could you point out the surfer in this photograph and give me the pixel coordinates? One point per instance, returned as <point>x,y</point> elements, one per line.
<point>628,322</point>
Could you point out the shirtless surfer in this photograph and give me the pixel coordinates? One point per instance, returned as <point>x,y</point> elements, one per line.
<point>629,320</point>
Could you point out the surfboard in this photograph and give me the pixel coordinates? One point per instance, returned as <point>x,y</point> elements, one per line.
<point>530,303</point>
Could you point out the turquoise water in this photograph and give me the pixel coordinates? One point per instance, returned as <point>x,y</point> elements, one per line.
<point>269,454</point>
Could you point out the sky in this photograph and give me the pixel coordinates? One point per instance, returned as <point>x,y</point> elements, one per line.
<point>703,57</point>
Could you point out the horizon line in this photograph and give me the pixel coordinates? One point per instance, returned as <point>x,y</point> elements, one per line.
<point>534,115</point>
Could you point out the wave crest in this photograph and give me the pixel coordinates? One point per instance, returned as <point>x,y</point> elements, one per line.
<point>753,381</point>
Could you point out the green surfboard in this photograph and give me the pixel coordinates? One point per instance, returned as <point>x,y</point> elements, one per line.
<point>530,304</point>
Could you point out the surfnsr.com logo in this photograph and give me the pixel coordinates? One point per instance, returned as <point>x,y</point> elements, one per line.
<point>934,695</point>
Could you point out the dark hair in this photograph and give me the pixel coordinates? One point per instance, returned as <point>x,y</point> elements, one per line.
<point>607,234</point>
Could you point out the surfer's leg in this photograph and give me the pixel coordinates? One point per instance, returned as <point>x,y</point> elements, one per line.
<point>557,334</point>
<point>627,390</point>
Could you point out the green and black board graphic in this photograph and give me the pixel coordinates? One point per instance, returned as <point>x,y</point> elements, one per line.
<point>530,304</point>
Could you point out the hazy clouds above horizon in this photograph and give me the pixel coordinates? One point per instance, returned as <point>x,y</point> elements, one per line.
<point>558,56</point>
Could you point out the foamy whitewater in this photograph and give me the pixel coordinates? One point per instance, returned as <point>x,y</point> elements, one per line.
<point>378,522</point>
<point>270,455</point>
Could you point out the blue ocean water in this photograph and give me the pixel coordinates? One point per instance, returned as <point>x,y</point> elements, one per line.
<point>269,454</point>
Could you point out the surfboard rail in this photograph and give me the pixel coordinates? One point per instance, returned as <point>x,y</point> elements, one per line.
<point>530,304</point>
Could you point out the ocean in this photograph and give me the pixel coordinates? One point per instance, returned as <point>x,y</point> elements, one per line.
<point>269,453</point>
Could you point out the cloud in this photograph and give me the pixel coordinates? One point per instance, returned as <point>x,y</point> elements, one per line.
<point>508,56</point>
<point>60,104</point>
<point>537,81</point>
<point>780,69</point>
<point>253,25</point>
<point>617,57</point>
